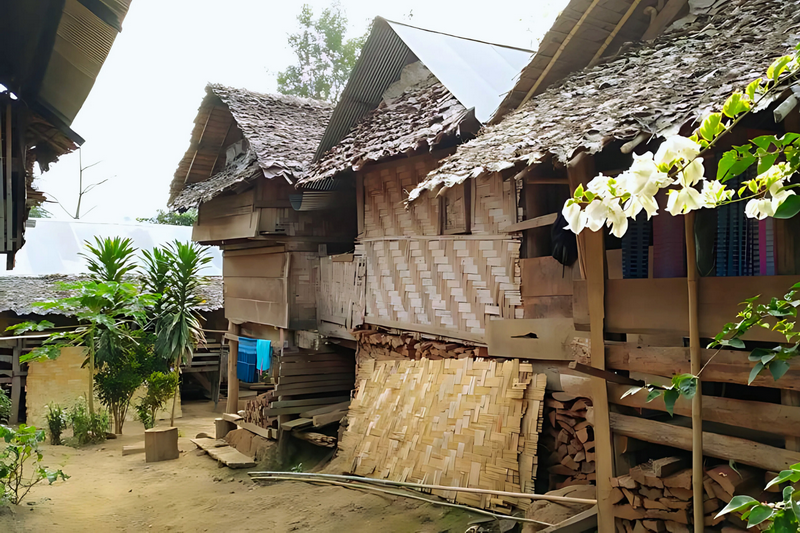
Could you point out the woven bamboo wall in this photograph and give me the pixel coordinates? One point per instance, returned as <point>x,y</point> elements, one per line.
<point>417,277</point>
<point>465,422</point>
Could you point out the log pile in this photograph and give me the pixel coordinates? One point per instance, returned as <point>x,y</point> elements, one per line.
<point>385,347</point>
<point>569,439</point>
<point>657,496</point>
<point>254,410</point>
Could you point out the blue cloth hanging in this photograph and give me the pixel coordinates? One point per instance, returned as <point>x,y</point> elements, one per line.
<point>263,354</point>
<point>246,360</point>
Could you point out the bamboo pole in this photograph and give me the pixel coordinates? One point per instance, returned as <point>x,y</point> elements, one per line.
<point>266,475</point>
<point>695,363</point>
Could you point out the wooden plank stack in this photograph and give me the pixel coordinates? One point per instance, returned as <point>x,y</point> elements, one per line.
<point>456,422</point>
<point>304,374</point>
<point>570,439</point>
<point>384,347</point>
<point>254,410</point>
<point>657,495</point>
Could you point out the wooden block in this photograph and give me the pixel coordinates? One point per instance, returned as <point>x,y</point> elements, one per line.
<point>328,418</point>
<point>729,479</point>
<point>231,417</point>
<point>222,427</point>
<point>161,444</point>
<point>675,527</point>
<point>231,457</point>
<point>709,506</point>
<point>680,480</point>
<point>616,495</point>
<point>654,525</point>
<point>342,406</point>
<point>133,449</point>
<point>651,493</point>
<point>679,493</point>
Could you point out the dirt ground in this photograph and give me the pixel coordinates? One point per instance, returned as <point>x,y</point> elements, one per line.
<point>109,492</point>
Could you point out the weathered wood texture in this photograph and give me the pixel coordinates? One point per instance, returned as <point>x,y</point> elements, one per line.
<point>758,416</point>
<point>720,446</point>
<point>340,295</point>
<point>276,289</point>
<point>727,366</point>
<point>227,217</point>
<point>660,306</point>
<point>451,422</point>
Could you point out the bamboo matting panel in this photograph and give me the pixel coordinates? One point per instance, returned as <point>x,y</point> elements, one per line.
<point>495,205</point>
<point>452,283</point>
<point>340,298</point>
<point>385,192</point>
<point>464,422</point>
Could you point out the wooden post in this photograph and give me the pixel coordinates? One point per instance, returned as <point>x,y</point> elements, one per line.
<point>591,246</point>
<point>791,397</point>
<point>16,383</point>
<point>233,380</point>
<point>695,363</point>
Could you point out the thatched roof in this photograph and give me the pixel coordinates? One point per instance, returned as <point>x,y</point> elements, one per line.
<point>654,88</point>
<point>420,118</point>
<point>19,293</point>
<point>281,133</point>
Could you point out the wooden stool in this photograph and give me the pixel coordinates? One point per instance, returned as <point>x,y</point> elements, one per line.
<point>161,444</point>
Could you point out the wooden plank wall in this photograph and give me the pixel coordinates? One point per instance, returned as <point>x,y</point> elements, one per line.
<point>275,289</point>
<point>418,278</point>
<point>227,217</point>
<point>340,295</point>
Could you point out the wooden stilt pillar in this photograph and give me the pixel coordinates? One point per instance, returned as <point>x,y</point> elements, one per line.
<point>233,380</point>
<point>591,248</point>
<point>695,364</point>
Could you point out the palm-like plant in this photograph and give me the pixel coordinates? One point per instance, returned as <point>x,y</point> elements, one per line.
<point>178,328</point>
<point>110,259</point>
<point>157,264</point>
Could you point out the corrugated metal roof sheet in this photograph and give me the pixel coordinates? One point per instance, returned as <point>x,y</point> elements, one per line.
<point>478,74</point>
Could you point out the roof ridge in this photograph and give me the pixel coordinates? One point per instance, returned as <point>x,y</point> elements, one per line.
<point>284,98</point>
<point>457,36</point>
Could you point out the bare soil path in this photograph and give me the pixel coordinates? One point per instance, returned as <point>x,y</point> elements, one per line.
<point>109,492</point>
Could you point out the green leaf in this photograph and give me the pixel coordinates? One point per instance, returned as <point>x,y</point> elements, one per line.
<point>789,208</point>
<point>778,369</point>
<point>766,161</point>
<point>738,503</point>
<point>711,126</point>
<point>653,394</point>
<point>780,478</point>
<point>783,522</point>
<point>755,372</point>
<point>752,88</point>
<point>778,66</point>
<point>735,105</point>
<point>758,514</point>
<point>686,384</point>
<point>735,343</point>
<point>670,397</point>
<point>758,353</point>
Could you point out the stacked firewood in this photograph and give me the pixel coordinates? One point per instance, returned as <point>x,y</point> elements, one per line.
<point>254,410</point>
<point>383,346</point>
<point>569,439</point>
<point>657,496</point>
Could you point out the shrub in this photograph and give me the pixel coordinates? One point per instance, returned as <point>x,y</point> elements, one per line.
<point>87,428</point>
<point>160,388</point>
<point>57,422</point>
<point>21,463</point>
<point>5,407</point>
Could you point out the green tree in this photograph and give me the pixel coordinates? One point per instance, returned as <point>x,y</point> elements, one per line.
<point>324,57</point>
<point>172,218</point>
<point>38,211</point>
<point>21,463</point>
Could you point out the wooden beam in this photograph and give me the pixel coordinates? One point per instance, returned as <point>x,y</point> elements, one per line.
<point>580,170</point>
<point>758,416</point>
<point>558,53</point>
<point>727,366</point>
<point>720,446</point>
<point>232,405</point>
<point>791,398</point>
<point>614,33</point>
<point>663,19</point>
<point>313,401</point>
<point>16,384</point>
<point>537,222</point>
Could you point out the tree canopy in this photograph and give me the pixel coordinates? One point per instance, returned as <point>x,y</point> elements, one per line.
<point>172,218</point>
<point>324,57</point>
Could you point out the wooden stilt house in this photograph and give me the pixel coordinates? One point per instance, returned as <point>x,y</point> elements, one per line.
<point>629,299</point>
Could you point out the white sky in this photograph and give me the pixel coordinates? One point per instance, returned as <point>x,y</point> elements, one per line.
<point>138,118</point>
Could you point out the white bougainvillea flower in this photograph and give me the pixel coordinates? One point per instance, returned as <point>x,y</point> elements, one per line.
<point>676,147</point>
<point>778,196</point>
<point>575,217</point>
<point>714,193</point>
<point>759,208</point>
<point>681,201</point>
<point>596,214</point>
<point>643,176</point>
<point>692,174</point>
<point>601,185</point>
<point>617,220</point>
<point>635,204</point>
